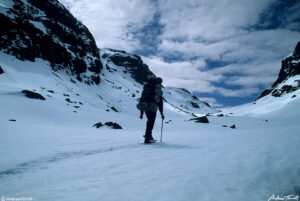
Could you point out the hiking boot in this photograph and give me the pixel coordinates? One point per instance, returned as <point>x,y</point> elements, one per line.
<point>149,142</point>
<point>151,138</point>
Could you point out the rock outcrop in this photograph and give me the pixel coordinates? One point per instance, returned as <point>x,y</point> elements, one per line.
<point>132,64</point>
<point>290,67</point>
<point>45,29</point>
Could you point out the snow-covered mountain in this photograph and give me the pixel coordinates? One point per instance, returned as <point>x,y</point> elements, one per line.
<point>32,29</point>
<point>61,97</point>
<point>46,30</point>
<point>284,91</point>
<point>288,80</point>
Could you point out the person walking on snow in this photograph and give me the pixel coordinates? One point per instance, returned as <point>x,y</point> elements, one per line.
<point>150,101</point>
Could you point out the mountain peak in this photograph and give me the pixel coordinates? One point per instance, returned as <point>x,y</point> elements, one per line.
<point>290,67</point>
<point>297,50</point>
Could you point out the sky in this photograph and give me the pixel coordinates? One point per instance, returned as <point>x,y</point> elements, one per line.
<point>224,51</point>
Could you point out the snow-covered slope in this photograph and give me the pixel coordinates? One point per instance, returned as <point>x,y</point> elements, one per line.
<point>117,94</point>
<point>183,101</point>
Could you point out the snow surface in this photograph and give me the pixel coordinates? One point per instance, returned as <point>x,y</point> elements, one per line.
<point>39,25</point>
<point>6,3</point>
<point>52,153</point>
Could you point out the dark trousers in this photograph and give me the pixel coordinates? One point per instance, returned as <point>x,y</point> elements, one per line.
<point>150,124</point>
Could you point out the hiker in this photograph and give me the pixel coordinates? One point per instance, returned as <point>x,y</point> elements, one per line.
<point>150,101</point>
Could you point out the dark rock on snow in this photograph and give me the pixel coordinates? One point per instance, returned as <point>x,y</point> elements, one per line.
<point>1,70</point>
<point>68,100</point>
<point>195,105</point>
<point>109,124</point>
<point>33,95</point>
<point>233,126</point>
<point>284,89</point>
<point>98,125</point>
<point>113,125</point>
<point>195,97</point>
<point>208,105</point>
<point>203,119</point>
<point>114,109</point>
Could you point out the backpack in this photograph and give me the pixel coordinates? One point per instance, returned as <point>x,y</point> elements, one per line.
<point>148,98</point>
<point>148,91</point>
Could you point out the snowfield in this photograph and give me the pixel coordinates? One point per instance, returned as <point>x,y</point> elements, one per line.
<point>52,151</point>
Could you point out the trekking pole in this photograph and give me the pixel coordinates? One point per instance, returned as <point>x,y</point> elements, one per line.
<point>162,124</point>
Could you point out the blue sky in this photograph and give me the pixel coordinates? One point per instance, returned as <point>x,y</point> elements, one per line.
<point>224,51</point>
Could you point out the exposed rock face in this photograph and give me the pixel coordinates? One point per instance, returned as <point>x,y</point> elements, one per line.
<point>285,89</point>
<point>1,70</point>
<point>45,29</point>
<point>33,95</point>
<point>290,66</point>
<point>203,119</point>
<point>132,63</point>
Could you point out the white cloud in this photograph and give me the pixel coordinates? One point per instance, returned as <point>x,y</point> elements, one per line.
<point>189,49</point>
<point>243,92</point>
<point>112,21</point>
<point>250,81</point>
<point>183,74</point>
<point>209,20</point>
<point>262,45</point>
<point>197,31</point>
<point>211,101</point>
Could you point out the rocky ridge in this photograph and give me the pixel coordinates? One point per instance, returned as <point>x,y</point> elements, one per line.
<point>290,67</point>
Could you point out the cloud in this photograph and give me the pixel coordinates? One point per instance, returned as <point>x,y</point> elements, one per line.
<point>226,47</point>
<point>183,74</point>
<point>209,20</point>
<point>241,92</point>
<point>211,101</point>
<point>112,22</point>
